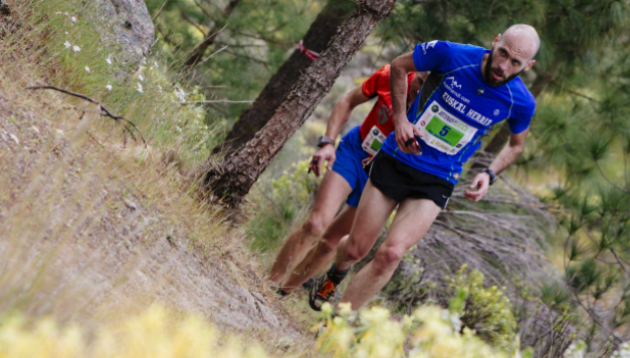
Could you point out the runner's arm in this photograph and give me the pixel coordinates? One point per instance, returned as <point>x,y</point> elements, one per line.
<point>404,130</point>
<point>341,113</point>
<point>338,117</point>
<point>506,157</point>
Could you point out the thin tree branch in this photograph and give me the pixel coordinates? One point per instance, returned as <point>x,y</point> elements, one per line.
<point>205,12</point>
<point>619,261</point>
<point>253,59</point>
<point>572,91</point>
<point>215,101</point>
<point>189,20</point>
<point>105,110</point>
<point>608,180</point>
<point>214,53</point>
<point>596,319</point>
<point>238,46</point>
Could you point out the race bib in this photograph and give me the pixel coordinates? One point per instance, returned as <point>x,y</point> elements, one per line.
<point>443,131</point>
<point>373,141</point>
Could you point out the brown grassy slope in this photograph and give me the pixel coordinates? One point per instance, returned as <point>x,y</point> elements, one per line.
<point>92,230</point>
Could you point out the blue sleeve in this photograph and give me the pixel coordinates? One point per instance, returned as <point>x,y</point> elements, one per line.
<point>430,56</point>
<point>520,119</point>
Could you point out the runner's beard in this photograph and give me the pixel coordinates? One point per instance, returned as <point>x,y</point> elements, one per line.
<point>488,75</point>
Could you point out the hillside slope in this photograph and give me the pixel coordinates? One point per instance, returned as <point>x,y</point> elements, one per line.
<point>95,225</point>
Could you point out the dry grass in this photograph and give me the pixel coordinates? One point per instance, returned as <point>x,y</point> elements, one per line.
<point>95,225</point>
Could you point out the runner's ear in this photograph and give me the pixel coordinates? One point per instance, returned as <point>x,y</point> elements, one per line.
<point>496,40</point>
<point>529,65</point>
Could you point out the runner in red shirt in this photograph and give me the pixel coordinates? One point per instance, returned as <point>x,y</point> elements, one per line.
<point>345,178</point>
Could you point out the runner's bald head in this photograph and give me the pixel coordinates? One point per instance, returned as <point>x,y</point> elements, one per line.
<point>512,53</point>
<point>524,38</point>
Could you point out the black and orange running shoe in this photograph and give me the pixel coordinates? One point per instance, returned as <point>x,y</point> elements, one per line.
<point>323,290</point>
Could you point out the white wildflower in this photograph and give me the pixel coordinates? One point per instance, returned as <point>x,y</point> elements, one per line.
<point>87,69</point>
<point>74,19</point>
<point>575,350</point>
<point>143,61</point>
<point>178,129</point>
<point>140,88</point>
<point>109,59</point>
<point>180,94</point>
<point>108,87</point>
<point>76,48</point>
<point>141,78</point>
<point>67,44</point>
<point>66,32</point>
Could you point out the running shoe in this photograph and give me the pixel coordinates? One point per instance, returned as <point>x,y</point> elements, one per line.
<point>323,290</point>
<point>308,284</point>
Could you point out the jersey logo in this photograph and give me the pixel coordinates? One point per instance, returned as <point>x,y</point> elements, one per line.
<point>426,46</point>
<point>453,83</point>
<point>496,112</point>
<point>383,114</point>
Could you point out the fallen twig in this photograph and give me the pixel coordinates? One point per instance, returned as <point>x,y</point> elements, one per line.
<point>105,111</point>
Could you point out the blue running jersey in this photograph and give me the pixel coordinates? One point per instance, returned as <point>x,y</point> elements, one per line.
<point>461,110</point>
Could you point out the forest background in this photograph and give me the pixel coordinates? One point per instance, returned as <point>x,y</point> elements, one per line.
<point>575,162</point>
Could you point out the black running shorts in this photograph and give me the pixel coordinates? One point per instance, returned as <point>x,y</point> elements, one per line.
<point>399,181</point>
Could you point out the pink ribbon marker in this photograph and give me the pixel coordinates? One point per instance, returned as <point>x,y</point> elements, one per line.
<point>312,55</point>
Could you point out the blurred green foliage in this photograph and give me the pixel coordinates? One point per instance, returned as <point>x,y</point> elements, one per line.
<point>486,310</point>
<point>576,154</point>
<point>259,36</point>
<point>278,204</point>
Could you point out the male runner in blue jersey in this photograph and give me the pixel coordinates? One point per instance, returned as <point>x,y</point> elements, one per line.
<point>420,163</point>
<point>345,179</point>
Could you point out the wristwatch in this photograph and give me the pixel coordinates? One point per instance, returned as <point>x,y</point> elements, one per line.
<point>493,177</point>
<point>323,140</point>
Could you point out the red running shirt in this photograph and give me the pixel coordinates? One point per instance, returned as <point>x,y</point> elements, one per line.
<point>381,114</point>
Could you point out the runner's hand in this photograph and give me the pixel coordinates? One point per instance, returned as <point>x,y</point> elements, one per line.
<point>481,182</point>
<point>404,132</point>
<point>324,154</point>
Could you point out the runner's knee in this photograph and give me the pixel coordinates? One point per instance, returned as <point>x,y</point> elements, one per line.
<point>388,256</point>
<point>314,226</point>
<point>327,245</point>
<point>356,251</point>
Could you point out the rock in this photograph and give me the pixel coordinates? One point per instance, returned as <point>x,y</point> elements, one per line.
<point>4,8</point>
<point>127,22</point>
<point>130,204</point>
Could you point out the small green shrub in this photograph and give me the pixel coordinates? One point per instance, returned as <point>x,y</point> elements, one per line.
<point>429,332</point>
<point>278,204</point>
<point>486,310</point>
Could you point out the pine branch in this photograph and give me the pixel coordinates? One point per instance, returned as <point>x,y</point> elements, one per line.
<point>562,87</point>
<point>608,180</point>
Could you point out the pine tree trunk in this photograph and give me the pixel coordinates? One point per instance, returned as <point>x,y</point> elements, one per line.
<point>234,178</point>
<point>485,157</point>
<point>198,52</point>
<point>260,112</point>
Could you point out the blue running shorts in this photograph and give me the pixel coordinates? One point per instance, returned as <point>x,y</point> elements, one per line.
<point>349,164</point>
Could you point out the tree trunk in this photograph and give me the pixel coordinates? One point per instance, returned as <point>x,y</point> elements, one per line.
<point>260,112</point>
<point>198,52</point>
<point>485,157</point>
<point>234,178</point>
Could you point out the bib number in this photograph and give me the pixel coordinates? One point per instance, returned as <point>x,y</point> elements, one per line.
<point>373,141</point>
<point>443,131</point>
